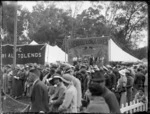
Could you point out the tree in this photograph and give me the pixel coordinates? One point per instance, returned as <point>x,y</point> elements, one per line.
<point>91,23</point>
<point>123,21</point>
<point>127,20</point>
<point>49,24</point>
<point>8,22</point>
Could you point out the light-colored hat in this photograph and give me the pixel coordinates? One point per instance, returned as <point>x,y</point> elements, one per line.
<point>122,72</point>
<point>108,66</point>
<point>96,68</point>
<point>67,78</point>
<point>105,68</point>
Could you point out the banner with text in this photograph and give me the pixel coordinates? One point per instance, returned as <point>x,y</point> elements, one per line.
<point>87,47</point>
<point>25,54</point>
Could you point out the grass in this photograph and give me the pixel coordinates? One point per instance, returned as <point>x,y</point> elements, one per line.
<point>10,105</point>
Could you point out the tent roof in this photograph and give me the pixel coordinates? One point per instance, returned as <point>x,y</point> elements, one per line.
<point>117,54</point>
<point>33,43</point>
<point>54,53</point>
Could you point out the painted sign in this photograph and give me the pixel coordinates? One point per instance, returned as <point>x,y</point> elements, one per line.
<point>25,54</point>
<point>88,47</point>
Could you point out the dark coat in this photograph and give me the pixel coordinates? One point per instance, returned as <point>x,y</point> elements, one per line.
<point>112,80</point>
<point>97,105</point>
<point>39,97</point>
<point>139,80</point>
<point>107,81</point>
<point>111,100</point>
<point>58,97</point>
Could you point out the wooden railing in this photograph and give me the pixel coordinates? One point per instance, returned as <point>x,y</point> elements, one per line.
<point>134,106</point>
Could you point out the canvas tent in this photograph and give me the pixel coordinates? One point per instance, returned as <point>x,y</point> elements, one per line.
<point>117,54</point>
<point>33,43</point>
<point>54,53</point>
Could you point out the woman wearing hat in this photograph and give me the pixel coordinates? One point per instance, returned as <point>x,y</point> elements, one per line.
<point>69,104</point>
<point>121,86</point>
<point>77,84</point>
<point>58,96</point>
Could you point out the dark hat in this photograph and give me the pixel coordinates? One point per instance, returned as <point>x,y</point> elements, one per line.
<point>83,66</point>
<point>98,77</point>
<point>83,71</point>
<point>67,69</point>
<point>8,66</point>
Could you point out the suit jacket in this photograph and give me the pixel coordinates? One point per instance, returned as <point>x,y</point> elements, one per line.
<point>97,105</point>
<point>111,100</point>
<point>58,97</point>
<point>39,97</point>
<point>139,78</point>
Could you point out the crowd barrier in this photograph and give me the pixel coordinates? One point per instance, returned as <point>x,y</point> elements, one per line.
<point>27,106</point>
<point>134,106</point>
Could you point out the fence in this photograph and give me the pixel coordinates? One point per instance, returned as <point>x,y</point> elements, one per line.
<point>135,106</point>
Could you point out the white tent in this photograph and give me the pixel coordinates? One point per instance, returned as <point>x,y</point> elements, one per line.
<point>54,54</point>
<point>117,54</point>
<point>33,43</point>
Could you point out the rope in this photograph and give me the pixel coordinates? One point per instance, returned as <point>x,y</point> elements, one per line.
<point>25,108</point>
<point>15,100</point>
<point>27,105</point>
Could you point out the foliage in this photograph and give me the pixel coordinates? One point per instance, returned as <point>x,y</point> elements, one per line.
<point>8,21</point>
<point>123,21</point>
<point>49,24</point>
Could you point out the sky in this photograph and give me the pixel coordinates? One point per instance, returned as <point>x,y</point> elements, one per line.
<point>59,4</point>
<point>67,4</point>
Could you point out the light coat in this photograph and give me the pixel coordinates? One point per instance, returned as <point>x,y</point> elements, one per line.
<point>69,104</point>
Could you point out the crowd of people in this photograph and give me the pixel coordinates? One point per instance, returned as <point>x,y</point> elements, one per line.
<point>80,87</point>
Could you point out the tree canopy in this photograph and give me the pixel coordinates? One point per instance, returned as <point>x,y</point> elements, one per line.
<point>122,21</point>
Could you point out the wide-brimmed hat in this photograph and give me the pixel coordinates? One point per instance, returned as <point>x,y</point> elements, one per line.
<point>105,68</point>
<point>83,66</point>
<point>88,71</point>
<point>122,72</point>
<point>67,69</point>
<point>57,77</point>
<point>96,68</point>
<point>108,66</point>
<point>82,71</point>
<point>8,66</point>
<point>67,78</point>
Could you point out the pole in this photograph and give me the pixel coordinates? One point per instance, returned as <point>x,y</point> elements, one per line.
<point>1,75</point>
<point>15,34</point>
<point>65,49</point>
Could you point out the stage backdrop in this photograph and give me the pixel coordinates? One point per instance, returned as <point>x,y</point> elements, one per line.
<point>87,47</point>
<point>25,54</point>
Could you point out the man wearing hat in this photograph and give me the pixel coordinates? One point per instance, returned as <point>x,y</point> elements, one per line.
<point>39,94</point>
<point>139,79</point>
<point>129,86</point>
<point>58,96</point>
<point>69,104</point>
<point>108,95</point>
<point>112,78</point>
